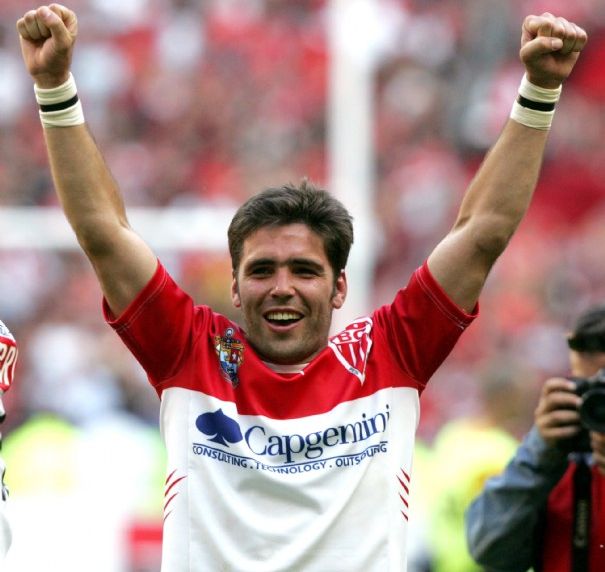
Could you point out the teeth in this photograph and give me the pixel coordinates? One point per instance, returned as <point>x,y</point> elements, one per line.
<point>282,316</point>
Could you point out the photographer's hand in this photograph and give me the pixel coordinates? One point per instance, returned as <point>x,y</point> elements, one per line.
<point>556,415</point>
<point>597,444</point>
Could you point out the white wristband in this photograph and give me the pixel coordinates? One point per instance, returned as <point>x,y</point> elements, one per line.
<point>535,106</point>
<point>537,93</point>
<point>531,118</point>
<point>60,106</point>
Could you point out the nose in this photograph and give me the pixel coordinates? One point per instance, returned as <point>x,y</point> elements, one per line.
<point>283,285</point>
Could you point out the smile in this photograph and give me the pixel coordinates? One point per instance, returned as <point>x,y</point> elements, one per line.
<point>282,318</point>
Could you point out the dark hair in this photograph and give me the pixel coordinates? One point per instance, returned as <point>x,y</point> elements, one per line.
<point>289,204</point>
<point>589,331</point>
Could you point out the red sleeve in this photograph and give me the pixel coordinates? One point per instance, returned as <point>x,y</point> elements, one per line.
<point>422,325</point>
<point>158,326</point>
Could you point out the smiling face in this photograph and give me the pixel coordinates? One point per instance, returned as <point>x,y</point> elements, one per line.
<point>286,290</point>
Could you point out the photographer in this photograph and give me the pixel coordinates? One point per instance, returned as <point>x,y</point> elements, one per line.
<point>544,511</point>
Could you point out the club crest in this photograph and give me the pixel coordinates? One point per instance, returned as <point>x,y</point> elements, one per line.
<point>230,354</point>
<point>352,347</point>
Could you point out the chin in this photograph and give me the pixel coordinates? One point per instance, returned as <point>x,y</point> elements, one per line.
<point>285,357</point>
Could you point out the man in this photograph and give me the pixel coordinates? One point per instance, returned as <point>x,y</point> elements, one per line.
<point>8,361</point>
<point>546,509</point>
<point>288,450</point>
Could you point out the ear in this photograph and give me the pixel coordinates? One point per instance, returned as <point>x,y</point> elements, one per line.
<point>235,299</point>
<point>340,291</point>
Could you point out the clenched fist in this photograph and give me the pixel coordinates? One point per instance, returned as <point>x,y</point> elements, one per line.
<point>47,35</point>
<point>550,47</point>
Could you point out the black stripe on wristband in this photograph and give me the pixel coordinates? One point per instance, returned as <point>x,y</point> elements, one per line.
<point>60,106</point>
<point>535,105</point>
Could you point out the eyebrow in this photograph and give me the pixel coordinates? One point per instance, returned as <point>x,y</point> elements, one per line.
<point>290,262</point>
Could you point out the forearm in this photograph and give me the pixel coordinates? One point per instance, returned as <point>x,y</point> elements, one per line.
<point>502,189</point>
<point>492,208</point>
<point>95,209</point>
<point>85,187</point>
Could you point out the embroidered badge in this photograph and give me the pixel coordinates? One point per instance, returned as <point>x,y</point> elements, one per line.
<point>352,347</point>
<point>230,354</point>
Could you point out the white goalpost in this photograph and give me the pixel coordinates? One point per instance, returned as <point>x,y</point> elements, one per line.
<point>351,140</point>
<point>350,151</point>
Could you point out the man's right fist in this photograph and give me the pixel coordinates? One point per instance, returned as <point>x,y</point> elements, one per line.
<point>47,35</point>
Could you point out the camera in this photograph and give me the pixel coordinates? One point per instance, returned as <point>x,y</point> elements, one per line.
<point>592,408</point>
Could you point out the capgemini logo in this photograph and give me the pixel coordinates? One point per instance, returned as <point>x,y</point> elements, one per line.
<point>219,428</point>
<point>294,447</point>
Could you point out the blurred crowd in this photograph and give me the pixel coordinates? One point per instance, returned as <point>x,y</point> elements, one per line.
<point>204,102</point>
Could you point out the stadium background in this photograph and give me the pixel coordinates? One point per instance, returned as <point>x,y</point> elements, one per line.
<point>200,103</point>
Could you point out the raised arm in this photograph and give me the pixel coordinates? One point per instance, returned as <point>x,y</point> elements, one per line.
<point>500,193</point>
<point>87,192</point>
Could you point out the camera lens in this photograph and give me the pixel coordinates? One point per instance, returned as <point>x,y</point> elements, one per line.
<point>592,410</point>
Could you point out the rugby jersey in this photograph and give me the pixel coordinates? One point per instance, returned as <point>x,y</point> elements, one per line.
<point>272,471</point>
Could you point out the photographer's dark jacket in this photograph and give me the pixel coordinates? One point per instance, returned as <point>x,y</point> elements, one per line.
<point>524,517</point>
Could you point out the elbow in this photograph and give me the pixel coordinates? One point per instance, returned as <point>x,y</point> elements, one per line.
<point>482,546</point>
<point>479,549</point>
<point>495,546</point>
<point>475,535</point>
<point>490,235</point>
<point>97,236</point>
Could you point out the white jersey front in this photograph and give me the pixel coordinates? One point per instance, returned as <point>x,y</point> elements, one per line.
<point>284,472</point>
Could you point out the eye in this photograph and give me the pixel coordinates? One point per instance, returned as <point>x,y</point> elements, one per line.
<point>261,270</point>
<point>305,271</point>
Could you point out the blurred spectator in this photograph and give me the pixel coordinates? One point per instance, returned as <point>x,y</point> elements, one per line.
<point>469,450</point>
